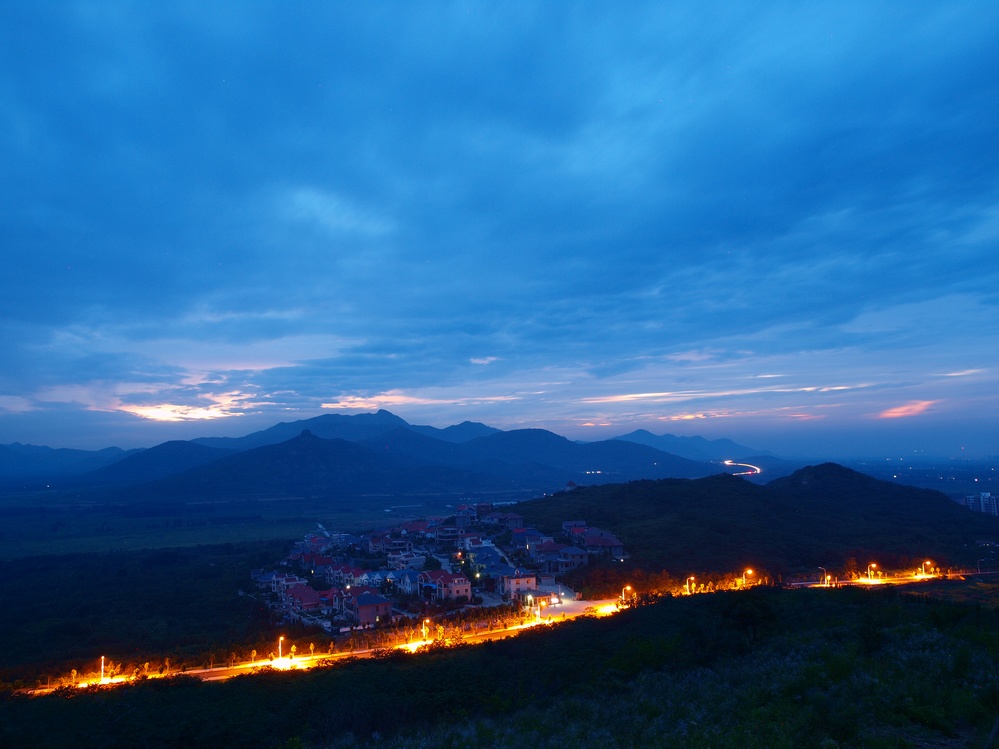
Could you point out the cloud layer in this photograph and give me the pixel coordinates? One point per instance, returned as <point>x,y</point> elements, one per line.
<point>774,223</point>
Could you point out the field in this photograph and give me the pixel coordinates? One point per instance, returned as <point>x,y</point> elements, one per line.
<point>33,525</point>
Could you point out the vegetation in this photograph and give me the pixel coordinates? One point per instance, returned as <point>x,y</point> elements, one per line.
<point>825,515</point>
<point>132,607</point>
<point>759,668</point>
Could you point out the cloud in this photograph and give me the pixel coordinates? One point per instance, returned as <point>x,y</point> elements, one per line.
<point>914,408</point>
<point>332,212</point>
<point>638,214</point>
<point>397,398</point>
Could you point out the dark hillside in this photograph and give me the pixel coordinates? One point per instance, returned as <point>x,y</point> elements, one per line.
<point>747,670</point>
<point>309,466</point>
<point>19,461</point>
<point>155,463</point>
<point>824,515</point>
<point>592,462</point>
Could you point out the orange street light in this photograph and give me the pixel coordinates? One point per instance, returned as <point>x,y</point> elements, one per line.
<point>688,584</point>
<point>924,565</point>
<point>747,572</point>
<point>280,642</point>
<point>870,567</point>
<point>625,588</point>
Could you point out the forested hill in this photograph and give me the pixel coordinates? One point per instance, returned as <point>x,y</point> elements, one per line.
<point>822,515</point>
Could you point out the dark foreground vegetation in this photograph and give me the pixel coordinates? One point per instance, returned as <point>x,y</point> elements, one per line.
<point>760,668</point>
<point>64,612</point>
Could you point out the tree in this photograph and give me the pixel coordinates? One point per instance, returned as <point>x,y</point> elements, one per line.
<point>294,649</point>
<point>312,649</point>
<point>253,656</point>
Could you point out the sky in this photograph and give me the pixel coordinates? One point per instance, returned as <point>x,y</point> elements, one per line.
<point>772,222</point>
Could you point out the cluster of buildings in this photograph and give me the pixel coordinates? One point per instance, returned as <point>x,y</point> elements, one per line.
<point>983,502</point>
<point>444,562</point>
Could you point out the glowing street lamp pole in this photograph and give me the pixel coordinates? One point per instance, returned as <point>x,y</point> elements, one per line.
<point>825,577</point>
<point>924,565</point>
<point>746,572</point>
<point>870,567</point>
<point>280,641</point>
<point>625,588</point>
<point>688,584</point>
<point>425,623</point>
<point>102,668</point>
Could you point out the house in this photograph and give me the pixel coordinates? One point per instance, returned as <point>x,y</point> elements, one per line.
<point>442,585</point>
<point>407,561</point>
<point>484,560</point>
<point>571,557</point>
<point>567,524</point>
<point>407,582</point>
<point>414,528</point>
<point>368,608</point>
<point>602,543</point>
<point>465,516</point>
<point>302,599</point>
<point>506,520</point>
<point>514,581</point>
<point>526,538</point>
<point>331,601</point>
<point>545,551</point>
<point>447,534</point>
<point>278,582</point>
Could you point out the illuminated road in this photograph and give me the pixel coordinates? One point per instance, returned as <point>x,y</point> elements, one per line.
<point>559,612</point>
<point>753,470</point>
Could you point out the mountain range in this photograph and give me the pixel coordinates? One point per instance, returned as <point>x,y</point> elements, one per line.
<point>365,454</point>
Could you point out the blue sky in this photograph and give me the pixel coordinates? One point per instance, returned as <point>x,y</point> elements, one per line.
<point>773,222</point>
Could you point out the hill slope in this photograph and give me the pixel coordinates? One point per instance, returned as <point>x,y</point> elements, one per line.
<point>821,515</point>
<point>310,466</point>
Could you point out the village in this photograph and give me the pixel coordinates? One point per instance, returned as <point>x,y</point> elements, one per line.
<point>480,563</point>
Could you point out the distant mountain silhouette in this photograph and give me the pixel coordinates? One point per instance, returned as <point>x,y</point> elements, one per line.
<point>463,432</point>
<point>589,462</point>
<point>694,448</point>
<point>352,428</point>
<point>469,454</point>
<point>309,466</point>
<point>155,463</point>
<point>23,461</point>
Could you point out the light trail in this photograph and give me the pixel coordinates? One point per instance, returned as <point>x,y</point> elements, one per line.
<point>753,470</point>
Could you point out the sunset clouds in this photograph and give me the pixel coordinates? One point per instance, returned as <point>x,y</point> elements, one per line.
<point>774,223</point>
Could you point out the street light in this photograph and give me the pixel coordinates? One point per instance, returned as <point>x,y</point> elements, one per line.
<point>924,565</point>
<point>425,623</point>
<point>870,576</point>
<point>625,588</point>
<point>746,572</point>
<point>825,577</point>
<point>280,642</point>
<point>688,584</point>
